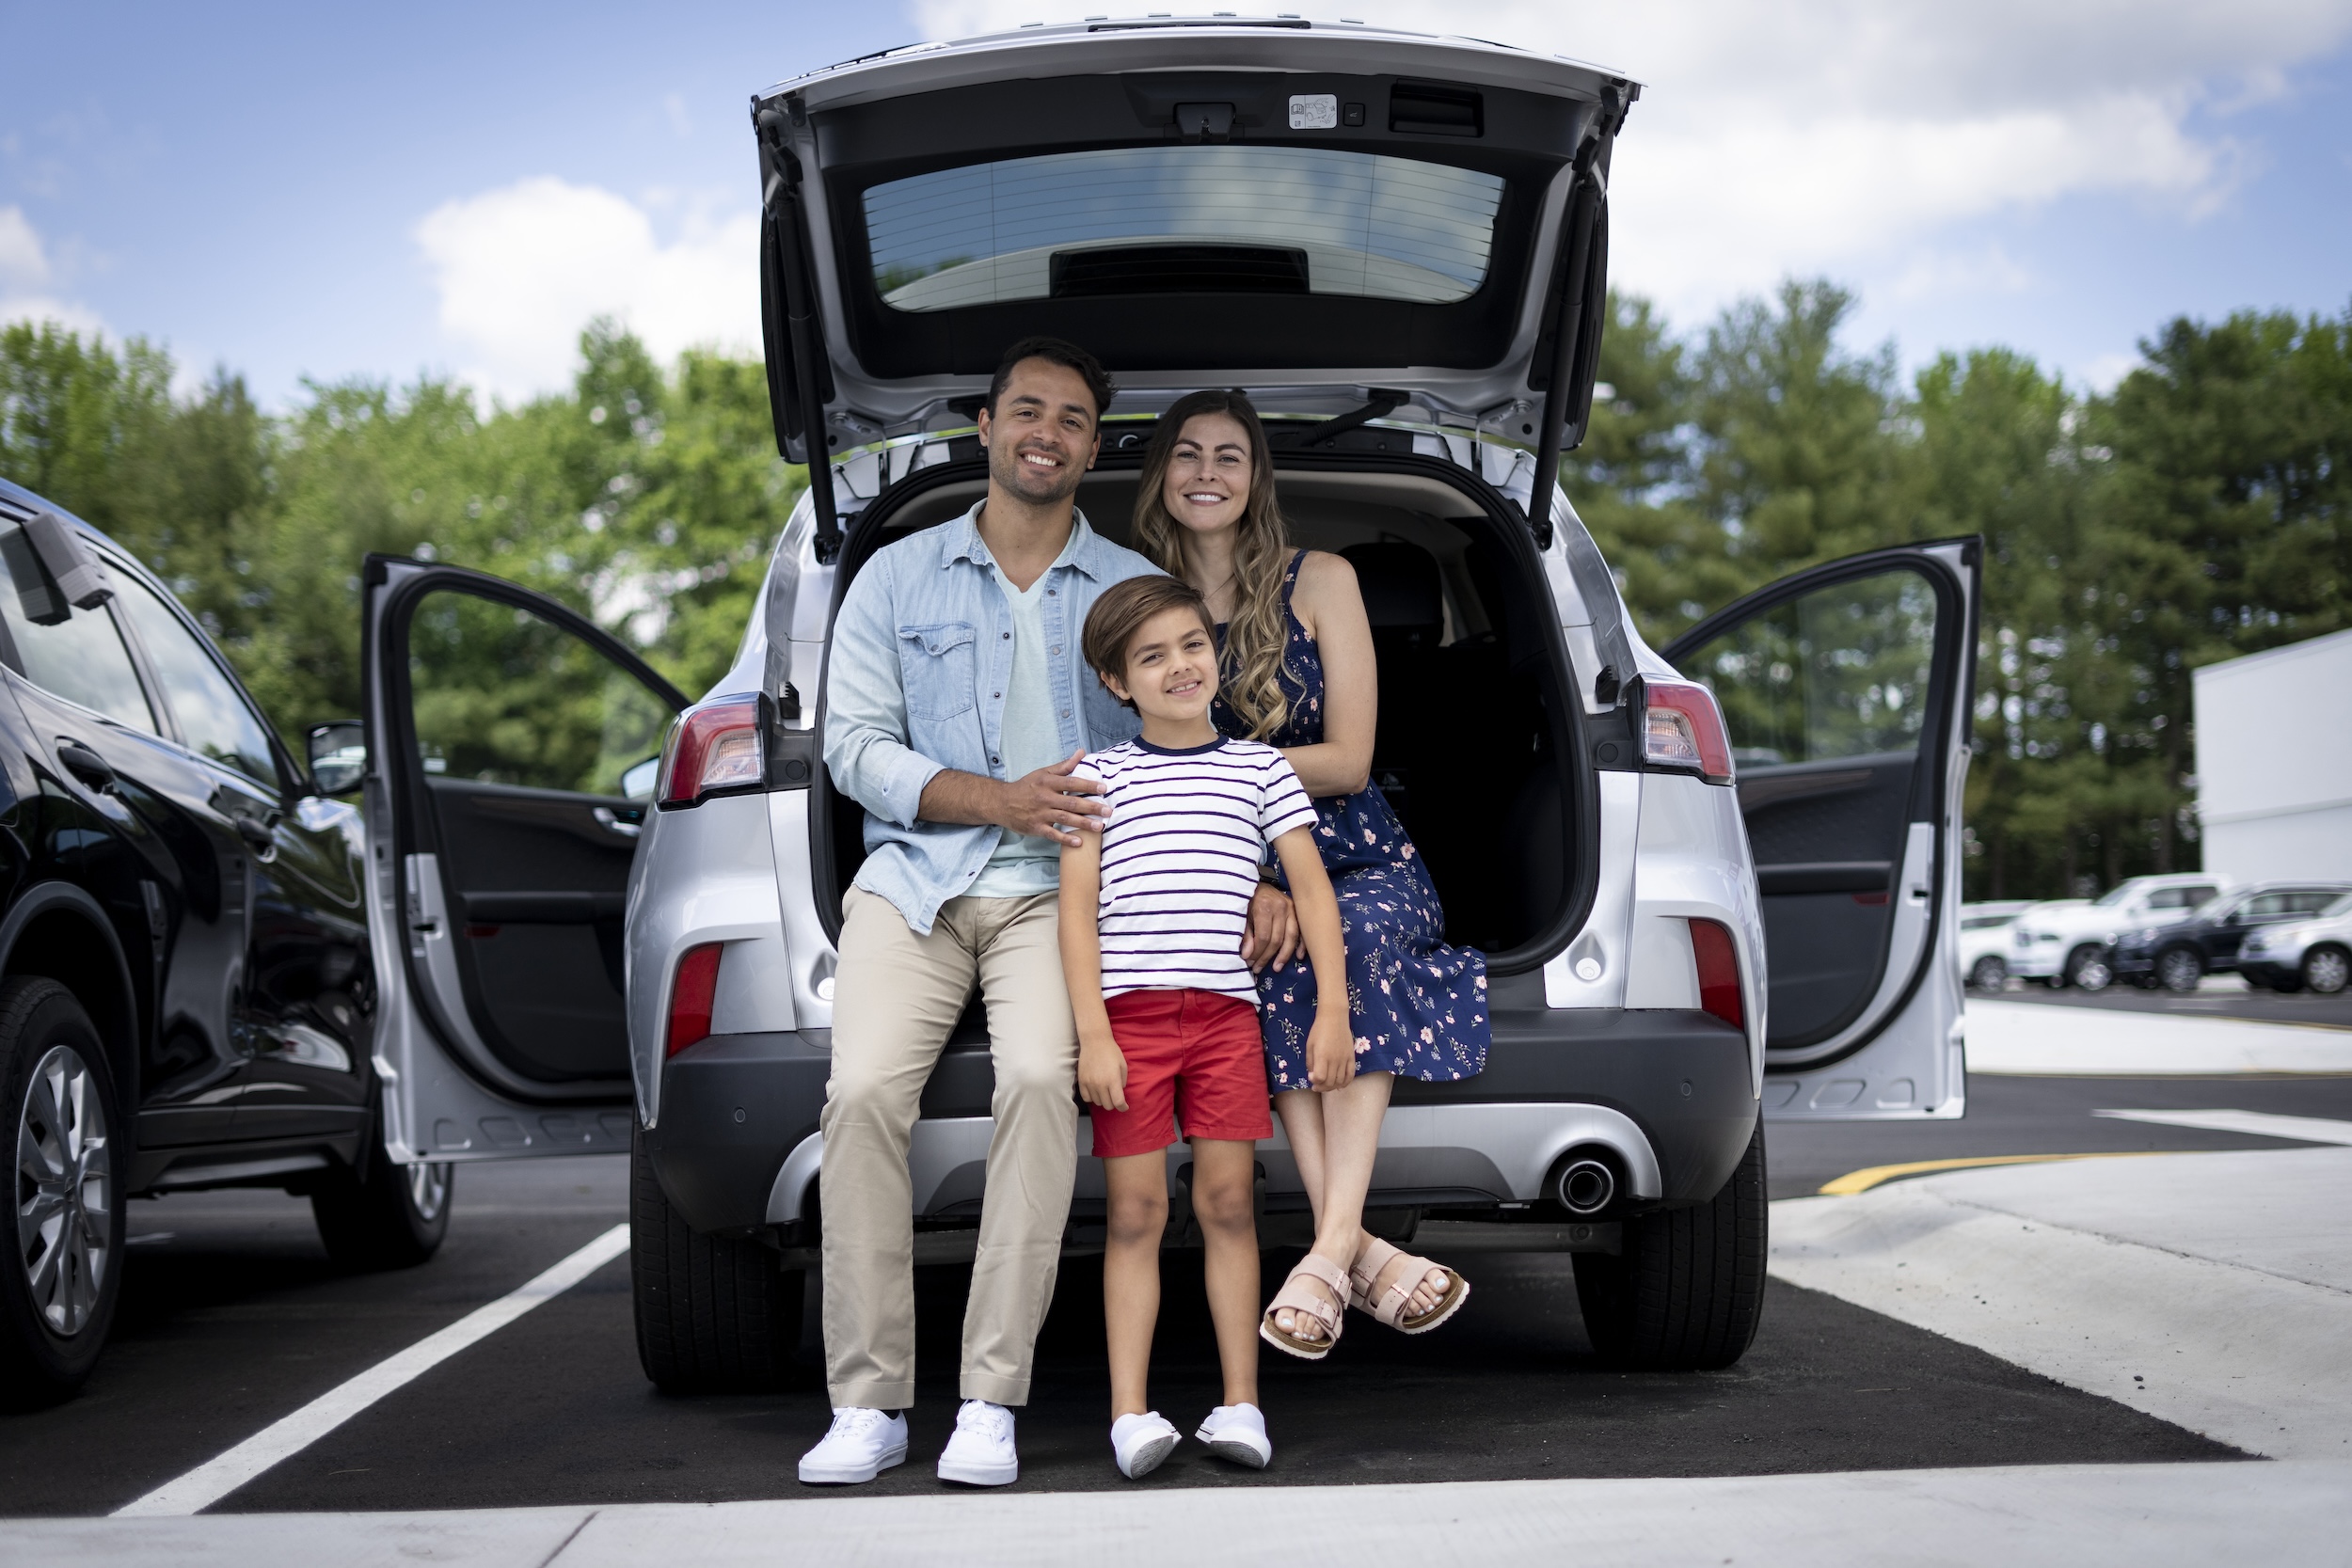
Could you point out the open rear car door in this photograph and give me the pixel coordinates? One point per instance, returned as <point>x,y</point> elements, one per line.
<point>1847,691</point>
<point>511,751</point>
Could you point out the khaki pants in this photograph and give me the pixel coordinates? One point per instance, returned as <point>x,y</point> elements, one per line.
<point>896,997</point>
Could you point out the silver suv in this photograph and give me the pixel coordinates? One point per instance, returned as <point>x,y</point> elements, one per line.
<point>1715,883</point>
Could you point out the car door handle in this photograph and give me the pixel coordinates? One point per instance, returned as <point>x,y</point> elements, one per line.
<point>256,834</point>
<point>86,764</point>
<point>614,822</point>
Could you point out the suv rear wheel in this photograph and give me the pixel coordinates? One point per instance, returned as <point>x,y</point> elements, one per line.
<point>714,1315</point>
<point>2180,969</point>
<point>57,1292</point>
<point>1991,972</point>
<point>1686,1291</point>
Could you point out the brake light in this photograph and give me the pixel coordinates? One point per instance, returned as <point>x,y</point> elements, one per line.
<point>712,748</point>
<point>1718,972</point>
<point>1682,729</point>
<point>690,997</point>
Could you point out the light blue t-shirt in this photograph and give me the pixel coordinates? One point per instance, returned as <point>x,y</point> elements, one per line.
<point>1031,740</point>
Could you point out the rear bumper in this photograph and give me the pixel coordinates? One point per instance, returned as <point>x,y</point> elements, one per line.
<point>1672,1091</point>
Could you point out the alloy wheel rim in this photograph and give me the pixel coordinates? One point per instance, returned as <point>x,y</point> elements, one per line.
<point>64,1192</point>
<point>428,1189</point>
<point>2330,971</point>
<point>2093,975</point>
<point>2180,972</point>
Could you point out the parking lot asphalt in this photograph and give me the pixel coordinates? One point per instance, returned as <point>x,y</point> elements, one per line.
<point>232,1317</point>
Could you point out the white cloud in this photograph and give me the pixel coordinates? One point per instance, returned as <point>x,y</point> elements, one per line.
<point>1841,135</point>
<point>25,275</point>
<point>522,268</point>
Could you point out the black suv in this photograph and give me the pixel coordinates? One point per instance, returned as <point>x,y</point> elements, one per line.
<point>188,994</point>
<point>2177,956</point>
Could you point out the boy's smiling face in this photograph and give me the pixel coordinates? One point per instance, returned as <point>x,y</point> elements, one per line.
<point>1170,669</point>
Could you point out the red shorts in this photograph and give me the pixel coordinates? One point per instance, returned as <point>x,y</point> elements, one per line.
<point>1191,1055</point>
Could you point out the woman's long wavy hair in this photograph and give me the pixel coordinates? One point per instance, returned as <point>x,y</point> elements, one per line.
<point>1250,670</point>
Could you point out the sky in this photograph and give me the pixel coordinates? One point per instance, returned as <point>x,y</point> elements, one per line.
<point>317,193</point>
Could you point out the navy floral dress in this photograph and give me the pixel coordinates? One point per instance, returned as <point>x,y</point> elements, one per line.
<point>1418,1008</point>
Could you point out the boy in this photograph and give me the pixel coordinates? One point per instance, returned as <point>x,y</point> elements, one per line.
<point>1151,918</point>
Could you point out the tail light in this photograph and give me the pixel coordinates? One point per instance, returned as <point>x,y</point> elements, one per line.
<point>690,997</point>
<point>1682,730</point>
<point>1718,972</point>
<point>712,748</point>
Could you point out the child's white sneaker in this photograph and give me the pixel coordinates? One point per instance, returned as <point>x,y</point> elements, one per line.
<point>1141,1442</point>
<point>980,1451</point>
<point>1236,1433</point>
<point>861,1445</point>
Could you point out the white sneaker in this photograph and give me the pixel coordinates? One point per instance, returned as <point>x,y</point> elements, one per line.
<point>1236,1432</point>
<point>1140,1442</point>
<point>861,1445</point>
<point>981,1452</point>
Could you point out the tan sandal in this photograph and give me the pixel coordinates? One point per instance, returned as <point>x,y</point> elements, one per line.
<point>1296,1296</point>
<point>1390,1307</point>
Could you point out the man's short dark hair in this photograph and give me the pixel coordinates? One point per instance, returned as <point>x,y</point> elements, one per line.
<point>1055,350</point>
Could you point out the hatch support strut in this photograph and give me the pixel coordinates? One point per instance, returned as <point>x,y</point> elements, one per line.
<point>787,252</point>
<point>1560,401</point>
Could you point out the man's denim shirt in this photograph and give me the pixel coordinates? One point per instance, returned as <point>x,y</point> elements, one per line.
<point>921,655</point>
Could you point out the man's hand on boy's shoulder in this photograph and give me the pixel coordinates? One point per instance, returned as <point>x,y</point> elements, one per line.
<point>1102,1074</point>
<point>1052,804</point>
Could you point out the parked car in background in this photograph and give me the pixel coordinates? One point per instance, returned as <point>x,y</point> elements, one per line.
<point>1984,941</point>
<point>2179,956</point>
<point>187,988</point>
<point>2066,943</point>
<point>2296,954</point>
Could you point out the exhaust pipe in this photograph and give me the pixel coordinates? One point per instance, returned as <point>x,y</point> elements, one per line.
<point>1586,1187</point>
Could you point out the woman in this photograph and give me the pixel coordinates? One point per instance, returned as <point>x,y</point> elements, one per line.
<point>1299,673</point>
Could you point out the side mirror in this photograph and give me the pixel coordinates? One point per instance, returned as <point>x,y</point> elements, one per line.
<point>637,781</point>
<point>339,756</point>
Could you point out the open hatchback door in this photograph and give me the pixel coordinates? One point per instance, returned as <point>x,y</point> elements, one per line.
<point>511,753</point>
<point>1846,691</point>
<point>1316,211</point>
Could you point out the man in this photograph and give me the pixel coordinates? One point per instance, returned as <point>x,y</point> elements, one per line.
<point>957,703</point>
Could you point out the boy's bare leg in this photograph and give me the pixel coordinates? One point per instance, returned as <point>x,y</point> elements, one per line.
<point>1224,1194</point>
<point>1137,1189</point>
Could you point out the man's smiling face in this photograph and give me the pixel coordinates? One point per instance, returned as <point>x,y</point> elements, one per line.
<point>1041,437</point>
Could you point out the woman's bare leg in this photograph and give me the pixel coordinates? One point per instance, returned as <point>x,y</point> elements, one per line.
<point>1335,1137</point>
<point>1135,1187</point>
<point>1224,1203</point>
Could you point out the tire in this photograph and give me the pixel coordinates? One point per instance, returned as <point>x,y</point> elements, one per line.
<point>59,1286</point>
<point>2088,968</point>
<point>392,1217</point>
<point>1686,1289</point>
<point>2326,969</point>
<point>2180,970</point>
<point>1990,973</point>
<point>714,1315</point>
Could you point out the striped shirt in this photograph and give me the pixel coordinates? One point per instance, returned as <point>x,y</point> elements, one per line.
<point>1179,860</point>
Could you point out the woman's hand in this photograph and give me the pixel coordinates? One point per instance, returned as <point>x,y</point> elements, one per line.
<point>1102,1074</point>
<point>1330,1049</point>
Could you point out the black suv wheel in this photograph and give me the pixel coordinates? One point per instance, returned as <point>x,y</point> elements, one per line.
<point>58,1291</point>
<point>714,1315</point>
<point>393,1217</point>
<point>2180,969</point>
<point>1687,1290</point>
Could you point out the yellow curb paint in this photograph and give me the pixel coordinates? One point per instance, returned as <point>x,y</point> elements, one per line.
<point>1863,1181</point>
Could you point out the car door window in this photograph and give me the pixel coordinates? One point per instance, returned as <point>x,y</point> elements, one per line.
<point>525,732</point>
<point>2268,906</point>
<point>215,718</point>
<point>2309,903</point>
<point>1826,696</point>
<point>75,653</point>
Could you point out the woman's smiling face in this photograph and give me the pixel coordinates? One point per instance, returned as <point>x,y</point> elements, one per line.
<point>1207,487</point>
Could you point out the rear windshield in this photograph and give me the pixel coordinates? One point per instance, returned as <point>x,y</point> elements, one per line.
<point>1185,219</point>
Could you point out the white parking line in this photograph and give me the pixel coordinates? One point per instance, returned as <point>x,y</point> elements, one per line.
<point>2310,1129</point>
<point>217,1476</point>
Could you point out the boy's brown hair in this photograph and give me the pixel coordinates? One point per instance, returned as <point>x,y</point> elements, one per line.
<point>1121,612</point>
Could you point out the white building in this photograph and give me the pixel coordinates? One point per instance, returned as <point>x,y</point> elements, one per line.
<point>2274,762</point>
